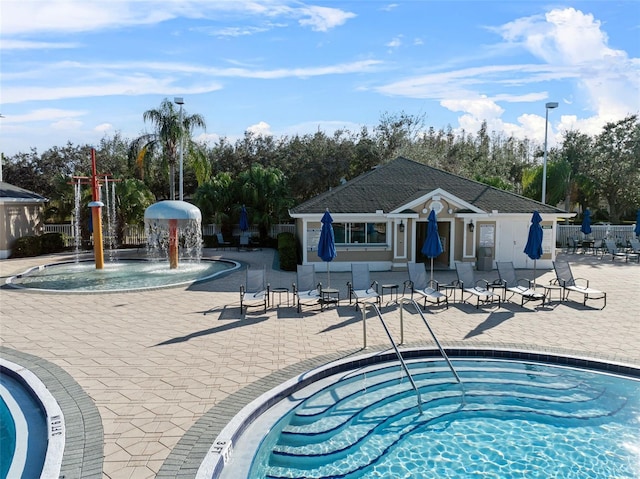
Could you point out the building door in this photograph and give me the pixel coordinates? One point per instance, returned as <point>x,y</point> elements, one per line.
<point>444,230</point>
<point>511,240</point>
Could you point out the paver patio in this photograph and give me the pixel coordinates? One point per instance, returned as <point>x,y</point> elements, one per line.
<point>154,362</point>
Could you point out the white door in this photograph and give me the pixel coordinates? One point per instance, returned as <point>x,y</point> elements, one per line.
<point>511,240</point>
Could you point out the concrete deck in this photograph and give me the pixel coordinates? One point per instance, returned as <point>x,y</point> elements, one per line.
<point>160,372</point>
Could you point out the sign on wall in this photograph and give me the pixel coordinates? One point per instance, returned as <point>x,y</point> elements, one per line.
<point>487,234</point>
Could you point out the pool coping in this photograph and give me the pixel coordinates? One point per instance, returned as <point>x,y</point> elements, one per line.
<point>83,444</point>
<point>205,448</point>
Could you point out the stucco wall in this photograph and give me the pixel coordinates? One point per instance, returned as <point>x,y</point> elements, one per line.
<point>18,220</point>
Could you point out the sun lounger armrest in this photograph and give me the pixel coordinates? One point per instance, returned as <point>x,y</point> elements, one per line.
<point>584,281</point>
<point>525,282</point>
<point>482,283</point>
<point>294,288</point>
<point>242,289</point>
<point>374,285</point>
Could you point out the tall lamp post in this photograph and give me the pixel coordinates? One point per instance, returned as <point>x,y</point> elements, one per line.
<point>548,106</point>
<point>180,101</point>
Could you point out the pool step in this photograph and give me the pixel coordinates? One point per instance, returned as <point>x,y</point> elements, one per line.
<point>332,430</point>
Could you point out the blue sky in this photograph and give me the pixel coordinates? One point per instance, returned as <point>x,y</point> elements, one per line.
<point>78,70</point>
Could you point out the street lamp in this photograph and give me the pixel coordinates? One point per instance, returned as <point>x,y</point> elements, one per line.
<point>180,101</point>
<point>548,106</point>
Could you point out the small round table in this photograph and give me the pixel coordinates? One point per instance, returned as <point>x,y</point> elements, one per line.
<point>280,292</point>
<point>392,288</point>
<point>549,288</point>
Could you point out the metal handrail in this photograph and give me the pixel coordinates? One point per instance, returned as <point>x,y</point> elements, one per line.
<point>393,343</point>
<point>442,351</point>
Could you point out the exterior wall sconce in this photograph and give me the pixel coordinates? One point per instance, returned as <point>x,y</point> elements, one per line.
<point>471,227</point>
<point>401,227</point>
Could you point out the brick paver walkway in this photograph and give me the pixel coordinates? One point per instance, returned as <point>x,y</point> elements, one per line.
<point>155,362</point>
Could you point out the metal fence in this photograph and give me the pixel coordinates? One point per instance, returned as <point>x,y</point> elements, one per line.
<point>135,234</point>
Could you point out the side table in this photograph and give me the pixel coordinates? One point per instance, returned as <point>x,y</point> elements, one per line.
<point>329,296</point>
<point>392,288</point>
<point>280,292</point>
<point>549,288</point>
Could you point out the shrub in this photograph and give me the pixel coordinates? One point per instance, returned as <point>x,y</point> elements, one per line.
<point>52,243</point>
<point>27,246</point>
<point>287,251</point>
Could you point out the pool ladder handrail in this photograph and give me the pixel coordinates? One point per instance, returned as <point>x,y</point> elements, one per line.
<point>395,347</point>
<point>433,335</point>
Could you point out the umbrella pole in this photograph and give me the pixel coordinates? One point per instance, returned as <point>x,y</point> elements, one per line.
<point>431,269</point>
<point>328,275</point>
<point>534,274</point>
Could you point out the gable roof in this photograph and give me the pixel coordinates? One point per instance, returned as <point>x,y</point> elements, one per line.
<point>11,193</point>
<point>401,181</point>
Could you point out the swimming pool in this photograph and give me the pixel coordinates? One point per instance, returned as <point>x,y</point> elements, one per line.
<point>510,419</point>
<point>32,432</point>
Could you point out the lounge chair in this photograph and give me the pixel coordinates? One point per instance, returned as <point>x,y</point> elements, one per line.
<point>478,289</point>
<point>569,284</point>
<point>243,241</point>
<point>221,242</point>
<point>611,248</point>
<point>361,287</point>
<point>306,290</point>
<point>255,291</point>
<point>418,283</point>
<point>634,246</point>
<point>520,286</point>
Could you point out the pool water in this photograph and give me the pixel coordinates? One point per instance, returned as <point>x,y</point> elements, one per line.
<point>510,419</point>
<point>24,432</point>
<point>124,275</point>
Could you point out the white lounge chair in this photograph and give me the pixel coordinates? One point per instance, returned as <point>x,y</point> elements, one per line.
<point>520,286</point>
<point>478,289</point>
<point>418,284</point>
<point>255,291</point>
<point>361,287</point>
<point>564,278</point>
<point>306,290</point>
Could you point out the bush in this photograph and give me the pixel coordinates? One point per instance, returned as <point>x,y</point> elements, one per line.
<point>210,241</point>
<point>51,243</point>
<point>27,246</point>
<point>287,251</point>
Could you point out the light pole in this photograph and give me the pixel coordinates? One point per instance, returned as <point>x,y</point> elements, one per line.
<point>548,106</point>
<point>180,101</point>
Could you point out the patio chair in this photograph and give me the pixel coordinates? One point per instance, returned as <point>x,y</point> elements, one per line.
<point>255,291</point>
<point>569,284</point>
<point>634,246</point>
<point>478,289</point>
<point>520,286</point>
<point>572,245</point>
<point>611,248</point>
<point>418,283</point>
<point>361,287</point>
<point>243,242</point>
<point>306,290</point>
<point>221,242</point>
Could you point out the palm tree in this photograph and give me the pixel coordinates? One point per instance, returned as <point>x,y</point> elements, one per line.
<point>165,140</point>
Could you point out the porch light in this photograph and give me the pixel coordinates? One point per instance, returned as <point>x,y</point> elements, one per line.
<point>401,227</point>
<point>471,227</point>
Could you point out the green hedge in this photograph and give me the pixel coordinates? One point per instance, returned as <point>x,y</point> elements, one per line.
<point>287,251</point>
<point>28,246</point>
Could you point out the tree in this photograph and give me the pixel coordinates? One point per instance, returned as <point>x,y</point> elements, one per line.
<point>614,167</point>
<point>132,199</point>
<point>165,140</point>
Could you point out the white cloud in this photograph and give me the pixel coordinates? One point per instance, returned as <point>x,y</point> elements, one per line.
<point>33,45</point>
<point>322,19</point>
<point>66,124</point>
<point>261,129</point>
<point>103,127</point>
<point>395,43</point>
<point>43,114</point>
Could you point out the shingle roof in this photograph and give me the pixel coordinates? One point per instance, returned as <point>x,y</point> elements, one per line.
<point>390,186</point>
<point>9,192</point>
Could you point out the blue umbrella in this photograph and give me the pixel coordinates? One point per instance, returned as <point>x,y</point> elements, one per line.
<point>327,242</point>
<point>586,222</point>
<point>637,228</point>
<point>244,220</point>
<point>533,249</point>
<point>432,246</point>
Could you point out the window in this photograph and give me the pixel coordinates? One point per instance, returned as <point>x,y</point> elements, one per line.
<point>360,233</point>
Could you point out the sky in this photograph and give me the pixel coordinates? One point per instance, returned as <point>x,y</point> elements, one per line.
<point>81,70</point>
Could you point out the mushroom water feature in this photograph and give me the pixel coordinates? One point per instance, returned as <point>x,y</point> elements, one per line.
<point>170,224</point>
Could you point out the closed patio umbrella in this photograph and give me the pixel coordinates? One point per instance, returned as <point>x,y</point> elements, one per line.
<point>586,223</point>
<point>432,246</point>
<point>637,228</point>
<point>533,248</point>
<point>244,219</point>
<point>326,244</point>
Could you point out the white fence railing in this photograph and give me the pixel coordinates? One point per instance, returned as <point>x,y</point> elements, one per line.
<point>135,234</point>
<point>620,233</point>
